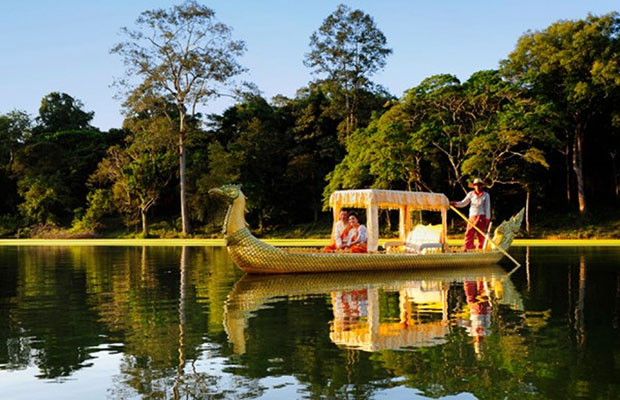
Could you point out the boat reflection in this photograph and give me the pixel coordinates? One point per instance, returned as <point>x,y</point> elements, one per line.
<point>383,310</point>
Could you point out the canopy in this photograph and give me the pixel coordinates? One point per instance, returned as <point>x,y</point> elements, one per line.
<point>374,199</point>
<point>392,199</point>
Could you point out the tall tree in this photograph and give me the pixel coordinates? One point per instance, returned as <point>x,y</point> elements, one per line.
<point>185,56</point>
<point>138,170</point>
<point>576,65</point>
<point>15,129</point>
<point>348,49</point>
<point>61,112</point>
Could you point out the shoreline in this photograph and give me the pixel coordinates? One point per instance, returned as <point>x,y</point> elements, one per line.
<point>281,242</point>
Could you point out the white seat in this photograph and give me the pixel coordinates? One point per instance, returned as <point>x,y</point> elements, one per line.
<point>421,238</point>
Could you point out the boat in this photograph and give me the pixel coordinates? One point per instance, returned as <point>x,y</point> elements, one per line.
<point>257,257</point>
<point>424,317</point>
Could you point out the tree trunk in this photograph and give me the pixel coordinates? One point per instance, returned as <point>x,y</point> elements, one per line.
<point>578,169</point>
<point>388,223</point>
<point>145,227</point>
<point>527,211</point>
<point>580,306</point>
<point>614,176</point>
<point>567,159</point>
<point>182,161</point>
<point>347,106</point>
<point>182,318</point>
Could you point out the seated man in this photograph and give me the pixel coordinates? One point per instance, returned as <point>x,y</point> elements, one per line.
<point>357,237</point>
<point>341,231</point>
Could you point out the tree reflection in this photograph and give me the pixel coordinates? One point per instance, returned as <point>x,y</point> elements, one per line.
<point>544,331</point>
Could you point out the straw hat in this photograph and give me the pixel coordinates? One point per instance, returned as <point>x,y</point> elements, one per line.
<point>477,181</point>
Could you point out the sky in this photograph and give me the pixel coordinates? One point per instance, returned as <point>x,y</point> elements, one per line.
<point>64,45</point>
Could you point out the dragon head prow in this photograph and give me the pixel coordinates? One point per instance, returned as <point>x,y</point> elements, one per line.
<point>229,192</point>
<point>234,219</point>
<point>507,230</point>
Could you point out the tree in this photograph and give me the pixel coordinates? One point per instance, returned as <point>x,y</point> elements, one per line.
<point>514,151</point>
<point>183,55</point>
<point>575,65</point>
<point>484,127</point>
<point>15,129</point>
<point>139,170</point>
<point>315,149</point>
<point>52,165</point>
<point>348,48</point>
<point>61,112</point>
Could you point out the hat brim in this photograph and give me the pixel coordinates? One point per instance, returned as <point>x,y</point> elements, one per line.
<point>473,185</point>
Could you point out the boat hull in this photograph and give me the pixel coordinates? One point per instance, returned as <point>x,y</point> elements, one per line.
<point>256,257</point>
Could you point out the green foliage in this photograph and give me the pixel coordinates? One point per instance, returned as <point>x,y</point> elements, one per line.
<point>549,113</point>
<point>279,152</point>
<point>61,112</point>
<point>15,128</point>
<point>59,179</point>
<point>348,49</point>
<point>574,66</point>
<point>9,224</point>
<point>135,173</point>
<point>45,198</point>
<point>99,204</point>
<point>443,133</point>
<point>182,56</point>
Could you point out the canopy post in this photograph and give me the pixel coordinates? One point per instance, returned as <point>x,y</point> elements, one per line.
<point>402,223</point>
<point>336,211</point>
<point>374,320</point>
<point>407,221</point>
<point>444,229</point>
<point>372,221</point>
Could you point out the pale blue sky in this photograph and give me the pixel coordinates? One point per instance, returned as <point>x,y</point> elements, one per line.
<point>63,45</point>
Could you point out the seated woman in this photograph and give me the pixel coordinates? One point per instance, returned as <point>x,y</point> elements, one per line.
<point>358,236</point>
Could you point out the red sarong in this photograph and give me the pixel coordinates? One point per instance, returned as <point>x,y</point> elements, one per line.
<point>343,236</point>
<point>470,233</point>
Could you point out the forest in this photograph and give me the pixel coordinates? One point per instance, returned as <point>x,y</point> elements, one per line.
<point>542,130</point>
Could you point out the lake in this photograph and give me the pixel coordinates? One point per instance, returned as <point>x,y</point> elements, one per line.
<point>183,322</point>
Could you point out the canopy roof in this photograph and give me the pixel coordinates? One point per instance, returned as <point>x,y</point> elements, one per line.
<point>392,199</point>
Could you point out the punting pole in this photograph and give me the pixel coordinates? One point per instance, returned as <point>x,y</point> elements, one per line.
<point>486,237</point>
<point>460,214</point>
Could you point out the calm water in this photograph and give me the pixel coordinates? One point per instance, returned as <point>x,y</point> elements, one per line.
<point>113,322</point>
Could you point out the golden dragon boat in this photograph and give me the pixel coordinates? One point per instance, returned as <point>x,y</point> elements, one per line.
<point>257,257</point>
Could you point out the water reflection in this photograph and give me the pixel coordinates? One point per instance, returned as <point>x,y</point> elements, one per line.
<point>383,310</point>
<point>183,323</point>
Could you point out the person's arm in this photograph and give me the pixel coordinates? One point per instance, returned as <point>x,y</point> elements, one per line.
<point>462,203</point>
<point>362,236</point>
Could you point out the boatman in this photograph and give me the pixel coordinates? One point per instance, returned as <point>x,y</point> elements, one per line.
<point>479,203</point>
<point>341,232</point>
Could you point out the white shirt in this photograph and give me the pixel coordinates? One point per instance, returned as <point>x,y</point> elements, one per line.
<point>361,232</point>
<point>338,233</point>
<point>480,205</point>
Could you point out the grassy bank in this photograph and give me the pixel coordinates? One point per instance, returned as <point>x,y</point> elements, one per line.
<point>604,225</point>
